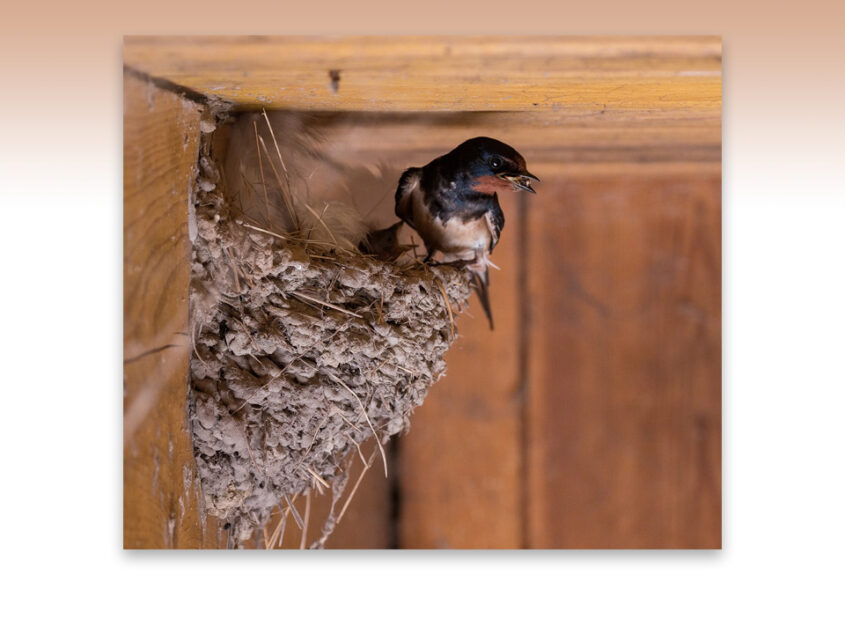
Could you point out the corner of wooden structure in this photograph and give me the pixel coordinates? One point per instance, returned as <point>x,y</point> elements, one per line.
<point>161,505</point>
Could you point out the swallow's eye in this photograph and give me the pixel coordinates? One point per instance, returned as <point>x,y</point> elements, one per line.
<point>495,162</point>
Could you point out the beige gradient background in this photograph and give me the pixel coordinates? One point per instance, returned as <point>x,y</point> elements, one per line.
<point>784,198</point>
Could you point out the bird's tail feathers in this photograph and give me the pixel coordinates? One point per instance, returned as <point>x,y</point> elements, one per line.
<point>481,283</point>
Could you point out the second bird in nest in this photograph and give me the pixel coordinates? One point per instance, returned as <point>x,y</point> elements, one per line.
<point>452,204</point>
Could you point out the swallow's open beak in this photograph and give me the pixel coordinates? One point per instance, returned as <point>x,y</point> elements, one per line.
<point>520,180</point>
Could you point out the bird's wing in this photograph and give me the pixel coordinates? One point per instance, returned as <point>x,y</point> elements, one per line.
<point>495,222</point>
<point>408,183</point>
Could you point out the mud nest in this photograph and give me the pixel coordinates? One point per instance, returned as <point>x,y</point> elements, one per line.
<point>301,354</point>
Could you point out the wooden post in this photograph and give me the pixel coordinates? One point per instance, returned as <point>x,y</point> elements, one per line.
<point>160,493</point>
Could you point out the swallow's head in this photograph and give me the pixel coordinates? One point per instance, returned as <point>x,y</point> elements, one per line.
<point>490,165</point>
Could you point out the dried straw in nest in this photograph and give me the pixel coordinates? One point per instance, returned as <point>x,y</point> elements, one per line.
<point>302,352</point>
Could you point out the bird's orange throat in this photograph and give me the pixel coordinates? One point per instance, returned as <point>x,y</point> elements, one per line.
<point>489,184</point>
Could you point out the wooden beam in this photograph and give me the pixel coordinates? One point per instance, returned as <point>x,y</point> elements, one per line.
<point>160,492</point>
<point>576,76</point>
<point>546,138</point>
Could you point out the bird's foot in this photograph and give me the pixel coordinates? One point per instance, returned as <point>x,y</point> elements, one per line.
<point>465,262</point>
<point>429,259</point>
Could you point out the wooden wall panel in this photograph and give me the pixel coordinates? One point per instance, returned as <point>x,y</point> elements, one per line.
<point>368,519</point>
<point>460,465</point>
<point>624,357</point>
<point>160,496</point>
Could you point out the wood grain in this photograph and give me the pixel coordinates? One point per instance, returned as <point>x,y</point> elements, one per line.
<point>460,465</point>
<point>624,358</point>
<point>160,493</point>
<point>580,76</point>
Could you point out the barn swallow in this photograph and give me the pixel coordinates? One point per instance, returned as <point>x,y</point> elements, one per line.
<point>452,203</point>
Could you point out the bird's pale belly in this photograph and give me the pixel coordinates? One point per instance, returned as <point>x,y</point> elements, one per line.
<point>454,237</point>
